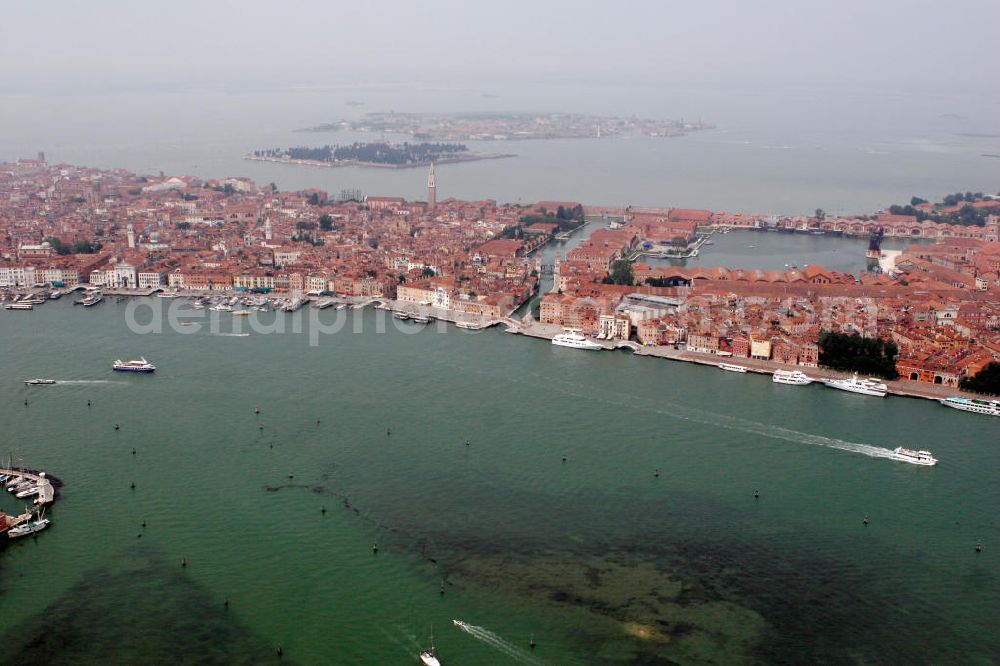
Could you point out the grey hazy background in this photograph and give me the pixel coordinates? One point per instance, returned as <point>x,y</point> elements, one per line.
<point>68,44</point>
<point>844,105</point>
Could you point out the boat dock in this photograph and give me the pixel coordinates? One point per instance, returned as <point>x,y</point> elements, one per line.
<point>46,489</point>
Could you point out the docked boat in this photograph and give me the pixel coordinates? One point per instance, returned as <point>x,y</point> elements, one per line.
<point>19,306</point>
<point>27,529</point>
<point>732,367</point>
<point>467,325</point>
<point>90,300</point>
<point>241,313</point>
<point>914,457</point>
<point>222,307</point>
<point>12,483</point>
<point>30,491</point>
<point>141,365</point>
<point>792,377</point>
<point>55,295</point>
<point>401,316</point>
<point>167,294</point>
<point>989,407</point>
<point>37,382</point>
<point>862,386</point>
<point>574,340</point>
<point>421,319</point>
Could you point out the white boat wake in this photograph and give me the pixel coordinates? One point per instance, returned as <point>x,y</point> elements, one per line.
<point>516,653</point>
<point>232,335</point>
<point>88,381</point>
<point>684,413</point>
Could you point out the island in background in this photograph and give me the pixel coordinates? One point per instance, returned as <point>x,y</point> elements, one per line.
<point>375,154</point>
<point>501,126</point>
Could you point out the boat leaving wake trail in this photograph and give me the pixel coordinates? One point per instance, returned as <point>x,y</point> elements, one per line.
<point>486,636</point>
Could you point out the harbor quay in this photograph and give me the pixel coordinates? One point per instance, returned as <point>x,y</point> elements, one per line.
<point>900,387</point>
<point>29,485</point>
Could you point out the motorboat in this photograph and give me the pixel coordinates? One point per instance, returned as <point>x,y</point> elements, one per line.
<point>792,377</point>
<point>574,340</point>
<point>30,491</point>
<point>37,382</point>
<point>222,307</point>
<point>862,386</point>
<point>140,365</point>
<point>914,457</point>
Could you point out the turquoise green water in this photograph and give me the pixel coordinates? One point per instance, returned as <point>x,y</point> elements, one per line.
<point>597,558</point>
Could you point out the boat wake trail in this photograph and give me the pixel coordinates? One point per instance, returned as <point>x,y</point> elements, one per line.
<point>88,381</point>
<point>232,335</point>
<point>516,653</point>
<point>685,413</point>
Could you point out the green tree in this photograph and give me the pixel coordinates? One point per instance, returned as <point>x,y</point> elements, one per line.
<point>325,222</point>
<point>986,380</point>
<point>428,272</point>
<point>854,353</point>
<point>621,272</point>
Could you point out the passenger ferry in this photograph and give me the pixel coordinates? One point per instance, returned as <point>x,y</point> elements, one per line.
<point>855,385</point>
<point>732,367</point>
<point>19,306</point>
<point>574,340</point>
<point>142,365</point>
<point>90,300</point>
<point>468,325</point>
<point>793,377</point>
<point>914,457</point>
<point>990,407</point>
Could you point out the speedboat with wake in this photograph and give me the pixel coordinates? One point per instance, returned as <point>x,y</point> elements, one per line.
<point>914,457</point>
<point>39,382</point>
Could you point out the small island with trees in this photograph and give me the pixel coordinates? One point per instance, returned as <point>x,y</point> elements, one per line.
<point>373,154</point>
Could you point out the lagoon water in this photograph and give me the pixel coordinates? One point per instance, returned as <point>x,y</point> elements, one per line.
<point>597,558</point>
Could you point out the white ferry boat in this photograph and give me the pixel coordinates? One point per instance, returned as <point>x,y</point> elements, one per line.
<point>855,385</point>
<point>467,325</point>
<point>732,367</point>
<point>142,365</point>
<point>914,457</point>
<point>90,300</point>
<point>792,377</point>
<point>990,407</point>
<point>19,306</point>
<point>574,340</point>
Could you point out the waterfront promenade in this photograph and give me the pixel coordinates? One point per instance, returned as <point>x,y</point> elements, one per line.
<point>900,387</point>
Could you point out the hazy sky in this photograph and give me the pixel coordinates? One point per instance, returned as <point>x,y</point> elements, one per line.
<point>69,44</point>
